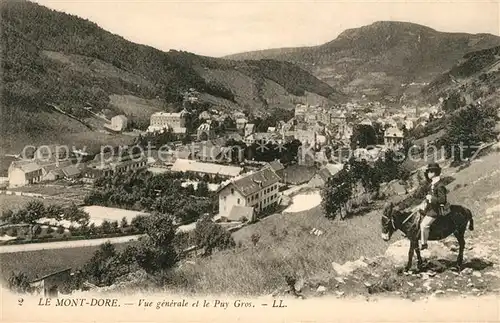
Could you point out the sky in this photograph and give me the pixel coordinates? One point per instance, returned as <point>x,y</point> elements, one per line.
<point>223,27</point>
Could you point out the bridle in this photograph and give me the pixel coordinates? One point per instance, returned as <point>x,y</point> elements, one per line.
<point>392,220</point>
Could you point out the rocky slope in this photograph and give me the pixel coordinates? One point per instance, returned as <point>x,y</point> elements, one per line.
<point>385,57</point>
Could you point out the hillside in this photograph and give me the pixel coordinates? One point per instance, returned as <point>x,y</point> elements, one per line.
<point>59,59</point>
<point>383,58</point>
<point>475,76</point>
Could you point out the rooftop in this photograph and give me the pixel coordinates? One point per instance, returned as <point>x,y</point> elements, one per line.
<point>187,165</point>
<point>254,182</point>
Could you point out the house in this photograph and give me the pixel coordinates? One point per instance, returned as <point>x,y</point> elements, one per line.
<point>210,169</point>
<point>24,172</point>
<point>276,165</point>
<point>393,138</point>
<point>51,284</point>
<point>118,123</point>
<point>249,129</point>
<point>163,120</point>
<point>257,190</point>
<point>205,115</point>
<point>240,214</point>
<point>241,123</point>
<point>71,172</point>
<point>238,115</point>
<point>322,176</point>
<point>52,170</point>
<point>106,165</point>
<point>205,132</point>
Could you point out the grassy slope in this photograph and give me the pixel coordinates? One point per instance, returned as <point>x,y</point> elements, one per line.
<point>46,261</point>
<point>287,248</point>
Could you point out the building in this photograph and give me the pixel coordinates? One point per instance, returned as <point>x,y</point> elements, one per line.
<point>322,176</point>
<point>241,123</point>
<point>51,285</point>
<point>257,190</point>
<point>249,129</point>
<point>106,165</point>
<point>24,172</point>
<point>240,214</point>
<point>52,170</point>
<point>205,132</point>
<point>210,169</point>
<point>393,138</point>
<point>118,123</point>
<point>162,120</point>
<point>205,115</point>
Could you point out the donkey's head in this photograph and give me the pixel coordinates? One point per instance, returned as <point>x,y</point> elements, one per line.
<point>388,227</point>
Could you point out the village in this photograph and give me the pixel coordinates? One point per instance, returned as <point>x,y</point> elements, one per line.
<point>247,183</point>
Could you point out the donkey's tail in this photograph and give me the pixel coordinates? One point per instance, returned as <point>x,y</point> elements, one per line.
<point>471,220</point>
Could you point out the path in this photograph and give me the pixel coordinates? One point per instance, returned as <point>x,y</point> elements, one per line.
<point>65,244</point>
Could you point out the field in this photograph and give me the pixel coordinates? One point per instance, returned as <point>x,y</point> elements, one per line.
<point>11,202</point>
<point>75,193</point>
<point>100,213</point>
<point>285,247</point>
<point>46,261</point>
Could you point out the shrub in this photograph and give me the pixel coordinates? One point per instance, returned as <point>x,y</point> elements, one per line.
<point>255,237</point>
<point>212,236</point>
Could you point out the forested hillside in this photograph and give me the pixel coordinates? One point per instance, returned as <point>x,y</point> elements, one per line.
<point>55,58</point>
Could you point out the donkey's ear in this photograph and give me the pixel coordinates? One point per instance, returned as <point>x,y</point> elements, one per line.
<point>387,208</point>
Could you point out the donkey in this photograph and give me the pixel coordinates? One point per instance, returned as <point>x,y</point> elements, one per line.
<point>408,222</point>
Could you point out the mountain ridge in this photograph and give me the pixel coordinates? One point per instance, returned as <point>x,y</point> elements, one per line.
<point>381,58</point>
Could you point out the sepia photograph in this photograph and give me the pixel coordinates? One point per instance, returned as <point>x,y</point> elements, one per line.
<point>250,157</point>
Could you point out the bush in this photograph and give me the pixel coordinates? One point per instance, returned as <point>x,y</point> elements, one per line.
<point>255,237</point>
<point>212,236</point>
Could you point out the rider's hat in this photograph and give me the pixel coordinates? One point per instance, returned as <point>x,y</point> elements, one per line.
<point>433,167</point>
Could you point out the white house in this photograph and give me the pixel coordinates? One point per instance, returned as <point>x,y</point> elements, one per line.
<point>258,190</point>
<point>393,138</point>
<point>119,123</point>
<point>249,129</point>
<point>163,120</point>
<point>23,173</point>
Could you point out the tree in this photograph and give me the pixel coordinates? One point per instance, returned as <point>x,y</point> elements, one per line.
<point>106,227</point>
<point>336,193</point>
<point>101,268</point>
<point>211,236</point>
<point>124,223</point>
<point>467,130</point>
<point>202,189</point>
<point>34,210</point>
<point>156,251</point>
<point>363,136</point>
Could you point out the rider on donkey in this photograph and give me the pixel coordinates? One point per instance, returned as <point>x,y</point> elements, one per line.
<point>435,201</point>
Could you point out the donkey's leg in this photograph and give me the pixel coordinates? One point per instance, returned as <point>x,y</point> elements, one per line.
<point>413,246</point>
<point>461,246</point>
<point>420,263</point>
